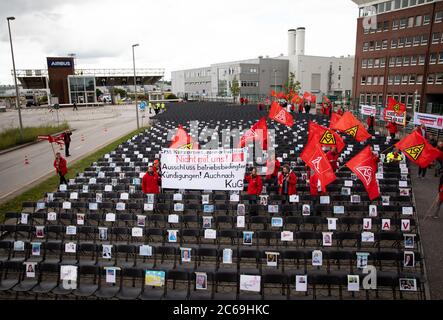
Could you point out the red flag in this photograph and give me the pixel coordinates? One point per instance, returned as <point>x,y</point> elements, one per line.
<point>273,94</point>
<point>352,126</point>
<point>307,96</point>
<point>418,149</point>
<point>259,131</point>
<point>398,107</point>
<point>316,159</point>
<point>326,100</point>
<point>296,99</point>
<point>324,136</point>
<point>279,114</point>
<point>334,119</point>
<point>57,139</point>
<point>364,165</point>
<point>182,140</point>
<point>281,95</point>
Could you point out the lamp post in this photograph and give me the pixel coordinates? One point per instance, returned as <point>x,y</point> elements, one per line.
<point>17,102</point>
<point>135,82</point>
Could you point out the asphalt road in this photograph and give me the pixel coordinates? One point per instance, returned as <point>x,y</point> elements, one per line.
<point>94,128</point>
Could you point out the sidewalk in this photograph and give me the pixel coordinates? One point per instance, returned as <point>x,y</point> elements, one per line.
<point>90,135</point>
<point>431,230</point>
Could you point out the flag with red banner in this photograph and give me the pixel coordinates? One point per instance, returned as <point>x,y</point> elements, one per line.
<point>365,166</point>
<point>309,97</point>
<point>279,114</point>
<point>351,125</point>
<point>182,140</point>
<point>335,117</point>
<point>296,99</point>
<point>316,159</point>
<point>326,101</point>
<point>418,149</point>
<point>397,107</point>
<point>57,139</point>
<point>259,131</point>
<point>324,136</point>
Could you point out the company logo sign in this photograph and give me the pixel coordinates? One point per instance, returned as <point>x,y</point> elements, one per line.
<point>59,63</point>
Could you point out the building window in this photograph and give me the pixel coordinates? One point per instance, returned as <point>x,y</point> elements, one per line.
<point>410,22</point>
<point>399,61</point>
<point>362,98</point>
<point>381,80</point>
<point>405,79</point>
<point>440,58</point>
<point>386,26</point>
<point>382,62</point>
<point>439,78</point>
<point>404,3</point>
<point>406,61</point>
<point>363,80</point>
<point>417,40</point>
<point>369,80</point>
<point>433,58</point>
<point>439,17</point>
<point>419,79</point>
<point>413,60</point>
<point>365,46</point>
<point>395,24</point>
<point>390,80</point>
<point>418,21</point>
<point>421,60</point>
<point>401,42</point>
<point>436,36</point>
<point>412,79</point>
<point>371,45</point>
<point>426,19</point>
<point>431,79</point>
<point>375,81</point>
<point>397,80</point>
<point>370,63</point>
<point>392,61</point>
<point>424,40</point>
<point>397,4</point>
<point>377,63</point>
<point>410,101</point>
<point>393,43</point>
<point>403,23</point>
<point>378,45</point>
<point>384,44</point>
<point>364,63</point>
<point>408,42</point>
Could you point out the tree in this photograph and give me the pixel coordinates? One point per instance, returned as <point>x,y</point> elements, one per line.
<point>235,88</point>
<point>121,92</point>
<point>292,84</point>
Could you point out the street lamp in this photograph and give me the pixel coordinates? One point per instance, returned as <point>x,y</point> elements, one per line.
<point>135,82</point>
<point>17,103</point>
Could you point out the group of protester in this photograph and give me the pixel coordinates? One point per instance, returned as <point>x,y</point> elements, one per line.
<point>156,107</point>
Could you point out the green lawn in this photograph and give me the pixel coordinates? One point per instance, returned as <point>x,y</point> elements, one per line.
<point>50,185</point>
<point>11,137</point>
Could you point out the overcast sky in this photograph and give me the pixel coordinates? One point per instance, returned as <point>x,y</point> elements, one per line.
<point>173,34</point>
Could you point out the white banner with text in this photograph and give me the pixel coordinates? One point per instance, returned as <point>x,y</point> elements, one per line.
<point>222,170</point>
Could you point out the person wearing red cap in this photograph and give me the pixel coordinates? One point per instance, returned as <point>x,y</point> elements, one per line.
<point>151,182</point>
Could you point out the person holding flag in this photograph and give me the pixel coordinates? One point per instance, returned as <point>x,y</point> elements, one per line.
<point>394,156</point>
<point>61,167</point>
<point>392,129</point>
<point>272,169</point>
<point>279,114</point>
<point>370,121</point>
<point>259,131</point>
<point>333,156</point>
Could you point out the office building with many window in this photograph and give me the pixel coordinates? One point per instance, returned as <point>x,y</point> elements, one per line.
<point>399,54</point>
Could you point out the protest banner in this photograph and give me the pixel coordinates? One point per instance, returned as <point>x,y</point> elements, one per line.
<point>429,120</point>
<point>368,110</point>
<point>222,170</point>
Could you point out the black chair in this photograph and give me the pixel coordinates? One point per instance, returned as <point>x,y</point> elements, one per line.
<point>223,281</point>
<point>177,278</point>
<point>86,288</point>
<point>133,276</point>
<point>107,290</point>
<point>49,274</point>
<point>272,282</point>
<point>207,294</point>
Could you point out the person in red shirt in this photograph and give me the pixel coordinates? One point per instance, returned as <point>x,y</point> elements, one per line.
<point>332,156</point>
<point>61,167</point>
<point>287,181</point>
<point>255,183</point>
<point>392,128</point>
<point>273,167</point>
<point>313,185</point>
<point>370,121</point>
<point>151,182</point>
<point>300,108</point>
<point>242,101</point>
<point>246,101</point>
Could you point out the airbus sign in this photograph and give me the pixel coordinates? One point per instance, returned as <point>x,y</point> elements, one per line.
<point>59,63</point>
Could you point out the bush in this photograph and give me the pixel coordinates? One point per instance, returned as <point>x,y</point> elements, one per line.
<point>11,137</point>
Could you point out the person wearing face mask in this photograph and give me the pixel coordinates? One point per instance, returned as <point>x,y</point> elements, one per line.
<point>287,181</point>
<point>61,167</point>
<point>151,182</point>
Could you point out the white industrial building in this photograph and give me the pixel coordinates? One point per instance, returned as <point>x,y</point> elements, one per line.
<point>331,76</point>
